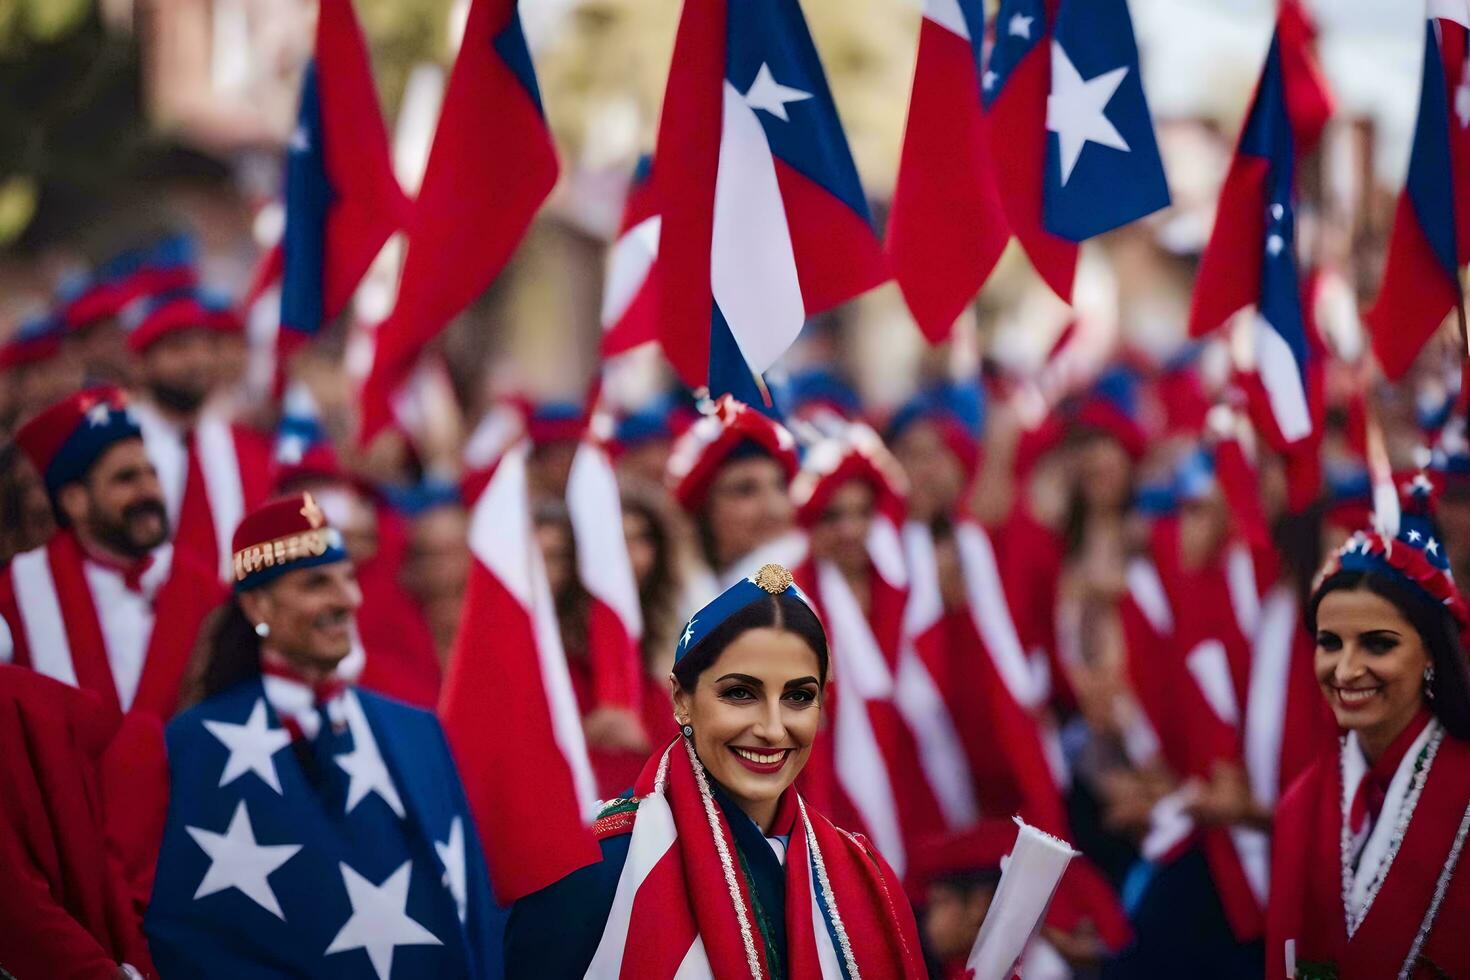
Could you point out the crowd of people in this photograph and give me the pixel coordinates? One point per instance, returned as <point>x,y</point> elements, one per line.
<point>1115,623</point>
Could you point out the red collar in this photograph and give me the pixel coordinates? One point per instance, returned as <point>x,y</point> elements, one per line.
<point>1373,791</point>
<point>132,572</point>
<point>323,691</point>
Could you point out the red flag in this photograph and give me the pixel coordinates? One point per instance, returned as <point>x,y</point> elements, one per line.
<point>947,227</point>
<point>491,166</point>
<point>508,705</point>
<point>630,294</point>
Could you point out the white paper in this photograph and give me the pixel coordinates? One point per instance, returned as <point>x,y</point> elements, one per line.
<point>1027,883</point>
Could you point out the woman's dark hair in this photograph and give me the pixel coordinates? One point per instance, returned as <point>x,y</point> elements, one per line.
<point>783,612</point>
<point>660,592</point>
<point>1450,688</point>
<point>234,652</point>
<point>572,600</point>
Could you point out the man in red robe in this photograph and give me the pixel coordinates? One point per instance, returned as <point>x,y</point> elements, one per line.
<point>82,608</point>
<point>211,470</point>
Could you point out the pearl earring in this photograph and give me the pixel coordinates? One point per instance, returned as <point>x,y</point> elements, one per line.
<point>262,630</point>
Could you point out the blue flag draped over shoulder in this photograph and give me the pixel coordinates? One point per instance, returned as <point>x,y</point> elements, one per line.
<point>351,855</point>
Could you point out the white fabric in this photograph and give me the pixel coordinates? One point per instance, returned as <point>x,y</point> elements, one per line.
<point>1380,838</point>
<point>126,618</point>
<point>1265,704</point>
<point>1281,377</point>
<point>40,614</point>
<point>1254,850</point>
<point>1452,10</point>
<point>941,753</point>
<point>862,675</point>
<point>947,14</point>
<point>1209,665</point>
<point>7,644</point>
<point>594,505</point>
<point>992,615</point>
<point>1029,880</point>
<point>502,540</point>
<point>1147,590</point>
<point>1245,595</point>
<point>885,551</point>
<point>752,261</point>
<point>164,443</point>
<point>628,266</point>
<point>293,699</point>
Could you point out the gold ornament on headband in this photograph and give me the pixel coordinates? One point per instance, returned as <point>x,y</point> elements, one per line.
<point>312,512</point>
<point>773,578</point>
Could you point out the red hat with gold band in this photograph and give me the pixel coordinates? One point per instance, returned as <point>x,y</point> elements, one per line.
<point>733,430</point>
<point>856,453</point>
<point>282,536</point>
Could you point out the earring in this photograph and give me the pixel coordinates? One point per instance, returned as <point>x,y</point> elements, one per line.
<point>687,731</point>
<point>1429,682</point>
<point>262,630</point>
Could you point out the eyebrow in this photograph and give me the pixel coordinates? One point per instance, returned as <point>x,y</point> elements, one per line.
<point>757,682</point>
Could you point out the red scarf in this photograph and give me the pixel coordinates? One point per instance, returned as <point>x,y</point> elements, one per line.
<point>693,902</point>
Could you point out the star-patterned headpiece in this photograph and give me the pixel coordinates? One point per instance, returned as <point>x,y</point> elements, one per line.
<point>769,580</point>
<point>715,438</point>
<point>1412,553</point>
<point>65,440</point>
<point>281,536</point>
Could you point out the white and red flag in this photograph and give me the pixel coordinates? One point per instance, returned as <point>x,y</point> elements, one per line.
<point>508,705</point>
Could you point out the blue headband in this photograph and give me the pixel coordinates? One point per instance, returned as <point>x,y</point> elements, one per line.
<point>103,426</point>
<point>333,550</point>
<point>770,580</point>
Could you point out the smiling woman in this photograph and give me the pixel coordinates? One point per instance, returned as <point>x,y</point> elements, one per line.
<point>1366,878</point>
<point>714,859</point>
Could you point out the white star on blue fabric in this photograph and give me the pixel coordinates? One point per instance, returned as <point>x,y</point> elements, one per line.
<point>237,861</point>
<point>688,633</point>
<point>251,747</point>
<point>1274,244</point>
<point>379,922</point>
<point>1020,26</point>
<point>98,414</point>
<point>1421,482</point>
<point>451,855</point>
<point>1074,110</point>
<point>290,449</point>
<point>770,95</point>
<point>365,768</point>
<point>1432,547</point>
<point>1414,536</point>
<point>300,140</point>
<point>989,79</point>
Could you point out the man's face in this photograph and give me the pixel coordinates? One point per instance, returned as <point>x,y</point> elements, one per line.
<point>120,503</point>
<point>179,370</point>
<point>310,612</point>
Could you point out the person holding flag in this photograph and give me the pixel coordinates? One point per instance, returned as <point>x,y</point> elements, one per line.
<point>714,862</point>
<point>314,829</point>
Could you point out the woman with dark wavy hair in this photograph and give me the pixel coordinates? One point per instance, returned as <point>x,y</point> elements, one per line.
<point>1367,878</point>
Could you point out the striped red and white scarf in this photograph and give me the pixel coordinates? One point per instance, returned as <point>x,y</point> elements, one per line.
<point>684,907</point>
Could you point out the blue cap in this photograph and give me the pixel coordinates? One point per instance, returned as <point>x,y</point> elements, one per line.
<point>769,580</point>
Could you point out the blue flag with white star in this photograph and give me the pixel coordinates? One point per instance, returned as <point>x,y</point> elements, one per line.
<point>1102,161</point>
<point>349,852</point>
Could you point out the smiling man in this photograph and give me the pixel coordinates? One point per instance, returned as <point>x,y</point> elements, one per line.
<point>84,608</point>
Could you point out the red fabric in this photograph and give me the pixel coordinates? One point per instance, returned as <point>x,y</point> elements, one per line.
<point>1310,729</point>
<point>1030,556</point>
<point>700,451</point>
<point>402,661</point>
<point>1306,885</point>
<point>947,226</point>
<point>519,785</point>
<point>837,254</point>
<point>1230,270</point>
<point>690,895</point>
<point>68,908</point>
<point>491,165</point>
<point>1309,102</point>
<point>195,534</point>
<point>42,437</point>
<point>1367,803</point>
<point>168,317</point>
<point>1019,114</point>
<point>1414,296</point>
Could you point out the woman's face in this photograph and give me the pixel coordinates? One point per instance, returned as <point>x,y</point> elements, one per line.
<point>841,534</point>
<point>642,547</point>
<point>936,476</point>
<point>310,613</point>
<point>1106,475</point>
<point>754,711</point>
<point>748,507</point>
<point>1370,661</point>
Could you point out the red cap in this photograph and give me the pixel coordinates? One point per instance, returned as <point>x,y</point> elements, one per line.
<point>63,441</point>
<point>700,452</point>
<point>287,533</point>
<point>149,320</point>
<point>857,454</point>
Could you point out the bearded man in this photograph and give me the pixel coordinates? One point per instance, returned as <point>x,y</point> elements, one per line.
<point>107,604</point>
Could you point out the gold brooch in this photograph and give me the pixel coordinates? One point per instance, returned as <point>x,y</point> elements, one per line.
<point>773,578</point>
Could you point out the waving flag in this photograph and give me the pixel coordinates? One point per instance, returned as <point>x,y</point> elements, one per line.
<point>1078,156</point>
<point>615,615</point>
<point>524,763</point>
<point>947,227</point>
<point>491,166</point>
<point>1251,257</point>
<point>629,296</point>
<point>342,200</point>
<point>1431,228</point>
<point>764,220</point>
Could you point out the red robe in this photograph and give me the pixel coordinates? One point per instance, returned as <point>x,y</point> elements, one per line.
<point>1306,878</point>
<point>63,611</point>
<point>82,798</point>
<point>402,661</point>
